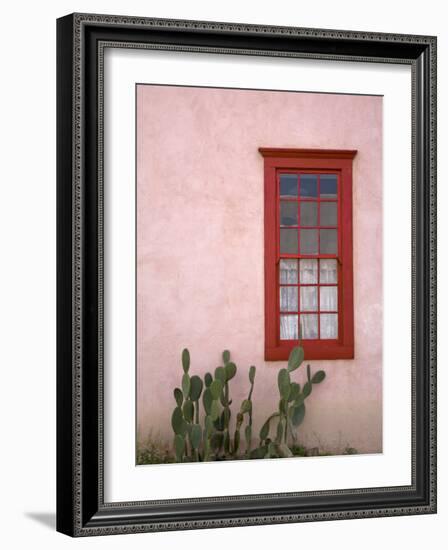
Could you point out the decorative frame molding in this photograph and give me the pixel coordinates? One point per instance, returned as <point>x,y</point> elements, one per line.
<point>81,39</point>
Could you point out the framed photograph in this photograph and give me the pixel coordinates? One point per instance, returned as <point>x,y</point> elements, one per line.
<point>246,274</point>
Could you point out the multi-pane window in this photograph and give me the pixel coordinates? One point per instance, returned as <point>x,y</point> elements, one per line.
<point>308,232</point>
<point>308,253</point>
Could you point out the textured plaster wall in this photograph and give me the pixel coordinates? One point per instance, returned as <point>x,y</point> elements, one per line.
<point>200,280</point>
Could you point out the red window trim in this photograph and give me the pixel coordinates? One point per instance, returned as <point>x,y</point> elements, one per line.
<point>334,160</point>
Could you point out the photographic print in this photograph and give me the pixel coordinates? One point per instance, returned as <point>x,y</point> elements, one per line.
<point>259,297</point>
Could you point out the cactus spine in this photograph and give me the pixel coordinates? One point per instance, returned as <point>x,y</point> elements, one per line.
<point>246,409</point>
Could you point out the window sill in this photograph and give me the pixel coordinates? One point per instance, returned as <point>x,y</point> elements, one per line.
<point>329,349</point>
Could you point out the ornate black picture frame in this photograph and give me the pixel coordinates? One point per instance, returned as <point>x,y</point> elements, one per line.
<point>81,509</point>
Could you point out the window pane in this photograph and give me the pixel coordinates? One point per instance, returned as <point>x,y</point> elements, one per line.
<point>288,241</point>
<point>328,271</point>
<point>289,327</point>
<point>288,213</point>
<point>328,241</point>
<point>308,213</point>
<point>288,271</point>
<point>288,185</point>
<point>308,327</point>
<point>328,326</point>
<point>328,298</point>
<point>288,298</point>
<point>308,241</point>
<point>308,271</point>
<point>308,298</point>
<point>328,213</point>
<point>328,186</point>
<point>308,185</point>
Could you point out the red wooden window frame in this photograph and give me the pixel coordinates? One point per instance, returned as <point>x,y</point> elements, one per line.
<point>332,161</point>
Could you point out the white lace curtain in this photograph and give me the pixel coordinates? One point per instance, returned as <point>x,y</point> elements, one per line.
<point>313,298</point>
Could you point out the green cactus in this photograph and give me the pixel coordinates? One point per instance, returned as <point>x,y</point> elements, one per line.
<point>217,441</point>
<point>295,391</point>
<point>195,388</point>
<point>186,360</point>
<point>295,358</point>
<point>318,377</point>
<point>230,370</point>
<point>248,430</point>
<point>186,385</point>
<point>236,441</point>
<point>178,423</point>
<point>216,388</point>
<point>291,409</point>
<point>207,399</point>
<point>225,374</point>
<point>195,394</point>
<point>208,431</point>
<point>297,414</point>
<point>284,384</point>
<point>220,374</point>
<point>179,447</point>
<point>245,409</point>
<point>179,397</point>
<point>211,439</point>
<point>248,437</point>
<point>188,410</point>
<point>196,439</point>
<point>214,410</point>
<point>264,432</point>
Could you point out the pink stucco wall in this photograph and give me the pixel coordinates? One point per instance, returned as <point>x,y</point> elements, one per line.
<point>200,278</point>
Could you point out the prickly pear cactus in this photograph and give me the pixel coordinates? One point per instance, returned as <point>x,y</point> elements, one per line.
<point>201,419</point>
<point>281,425</point>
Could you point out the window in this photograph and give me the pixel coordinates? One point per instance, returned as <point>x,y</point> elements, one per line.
<point>308,253</point>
